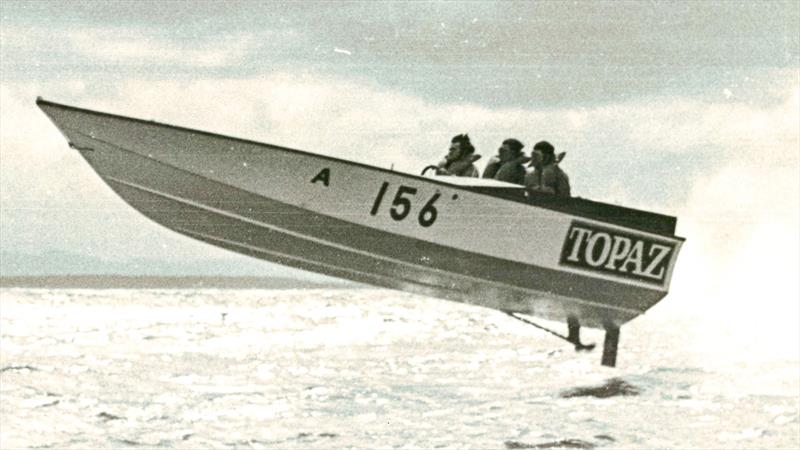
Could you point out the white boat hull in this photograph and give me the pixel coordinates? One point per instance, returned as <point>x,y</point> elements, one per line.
<point>372,225</point>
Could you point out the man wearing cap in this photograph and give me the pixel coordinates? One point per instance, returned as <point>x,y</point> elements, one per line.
<point>547,176</point>
<point>507,165</point>
<point>459,160</point>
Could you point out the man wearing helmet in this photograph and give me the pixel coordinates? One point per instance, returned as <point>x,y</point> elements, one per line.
<point>459,160</point>
<point>508,164</point>
<point>547,176</point>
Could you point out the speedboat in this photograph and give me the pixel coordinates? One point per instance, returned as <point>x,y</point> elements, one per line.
<point>471,240</point>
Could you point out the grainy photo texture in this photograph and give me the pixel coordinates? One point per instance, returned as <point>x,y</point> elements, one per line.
<point>396,224</point>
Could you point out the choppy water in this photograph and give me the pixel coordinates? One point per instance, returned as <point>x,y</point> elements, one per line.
<point>362,368</point>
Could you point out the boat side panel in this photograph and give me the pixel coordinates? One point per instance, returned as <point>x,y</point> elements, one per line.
<point>272,244</point>
<point>465,220</point>
<point>124,168</point>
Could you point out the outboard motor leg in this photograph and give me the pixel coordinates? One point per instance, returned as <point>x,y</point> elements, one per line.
<point>610,347</point>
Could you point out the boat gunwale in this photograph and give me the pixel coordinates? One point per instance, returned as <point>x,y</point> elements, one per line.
<point>525,200</point>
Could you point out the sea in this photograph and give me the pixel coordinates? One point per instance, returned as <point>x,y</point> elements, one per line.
<point>370,368</point>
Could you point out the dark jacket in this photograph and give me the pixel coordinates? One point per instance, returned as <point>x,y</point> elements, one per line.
<point>550,179</point>
<point>512,171</point>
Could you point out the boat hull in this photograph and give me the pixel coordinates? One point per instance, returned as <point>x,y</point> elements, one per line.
<point>327,216</point>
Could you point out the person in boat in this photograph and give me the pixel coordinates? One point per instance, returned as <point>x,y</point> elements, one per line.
<point>460,159</point>
<point>508,164</point>
<point>547,176</point>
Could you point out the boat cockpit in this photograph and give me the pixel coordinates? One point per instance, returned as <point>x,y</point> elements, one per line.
<point>614,214</point>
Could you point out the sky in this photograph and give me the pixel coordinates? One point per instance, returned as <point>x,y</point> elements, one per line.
<point>685,108</point>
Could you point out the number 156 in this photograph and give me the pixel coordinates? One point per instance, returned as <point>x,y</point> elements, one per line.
<point>401,205</point>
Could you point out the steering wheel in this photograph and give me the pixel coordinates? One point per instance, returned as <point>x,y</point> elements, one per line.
<point>428,168</point>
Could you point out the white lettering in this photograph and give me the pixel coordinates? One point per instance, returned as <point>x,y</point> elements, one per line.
<point>635,258</point>
<point>663,251</point>
<point>604,250</point>
<point>576,245</point>
<point>603,253</point>
<point>619,250</point>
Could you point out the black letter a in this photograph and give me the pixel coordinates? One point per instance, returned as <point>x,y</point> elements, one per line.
<point>324,176</point>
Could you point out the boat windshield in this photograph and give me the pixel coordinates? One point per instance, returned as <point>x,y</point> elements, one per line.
<point>476,182</point>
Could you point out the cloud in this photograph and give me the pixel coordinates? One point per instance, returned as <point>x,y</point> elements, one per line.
<point>67,50</point>
<point>119,46</point>
<point>613,53</point>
